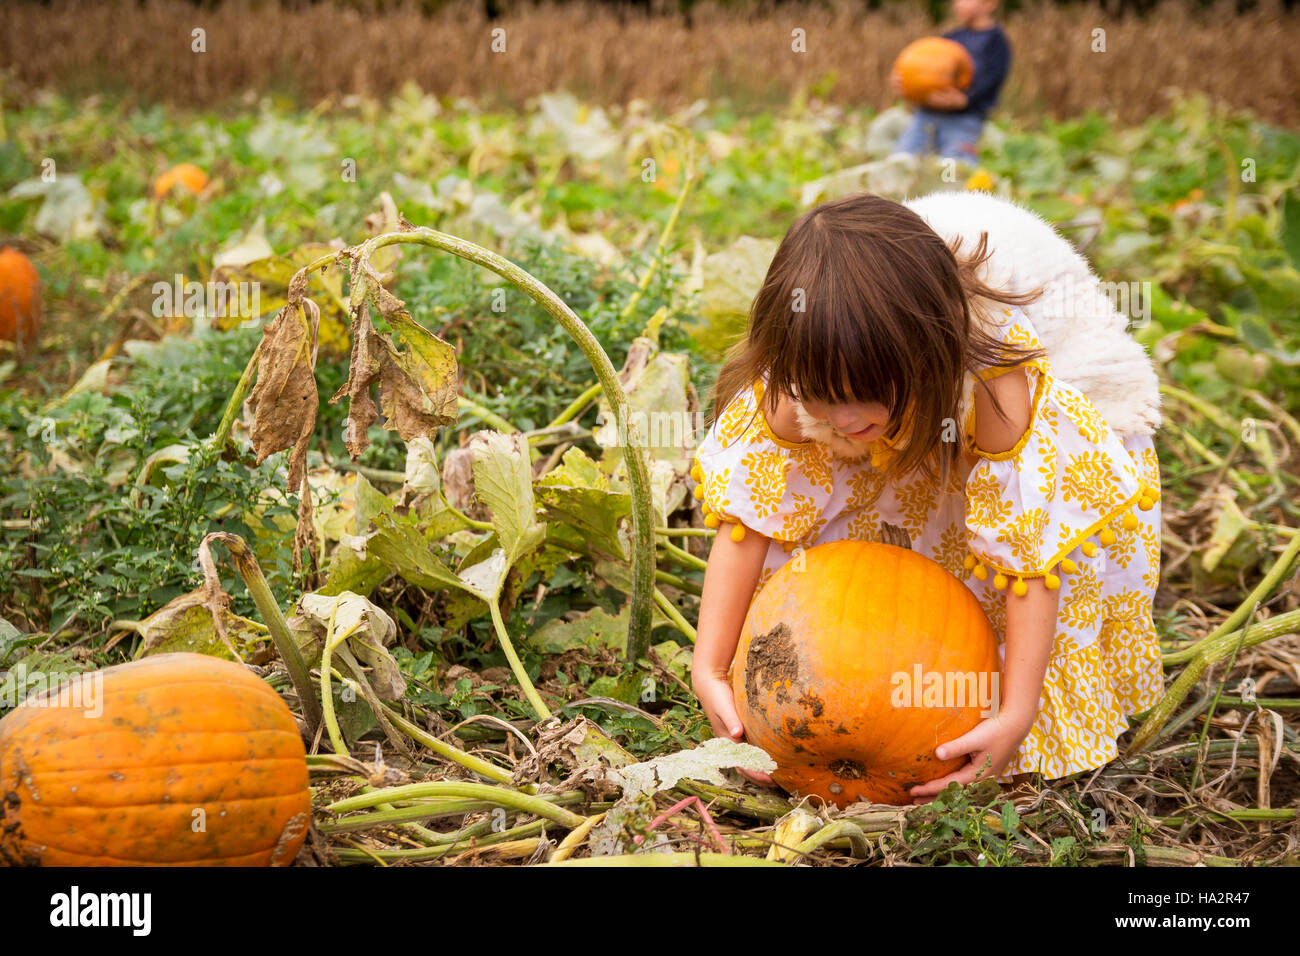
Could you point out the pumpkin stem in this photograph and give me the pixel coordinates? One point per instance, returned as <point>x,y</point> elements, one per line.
<point>260,591</point>
<point>521,675</point>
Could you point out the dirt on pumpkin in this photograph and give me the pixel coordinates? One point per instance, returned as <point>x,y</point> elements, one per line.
<point>771,661</point>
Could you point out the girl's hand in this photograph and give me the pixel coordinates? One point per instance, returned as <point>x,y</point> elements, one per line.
<point>996,737</point>
<point>720,707</point>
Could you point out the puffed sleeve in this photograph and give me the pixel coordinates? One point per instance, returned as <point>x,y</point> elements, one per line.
<point>750,478</point>
<point>1066,486</point>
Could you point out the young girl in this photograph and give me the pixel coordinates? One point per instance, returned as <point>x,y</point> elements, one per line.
<point>884,392</point>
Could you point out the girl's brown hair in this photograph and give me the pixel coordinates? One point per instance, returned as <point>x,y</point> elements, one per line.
<point>864,302</point>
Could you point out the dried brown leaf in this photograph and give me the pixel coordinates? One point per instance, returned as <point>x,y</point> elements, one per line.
<point>283,400</point>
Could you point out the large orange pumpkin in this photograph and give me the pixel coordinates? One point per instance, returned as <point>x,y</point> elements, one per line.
<point>933,63</point>
<point>186,174</point>
<point>20,298</point>
<point>835,671</point>
<point>176,759</point>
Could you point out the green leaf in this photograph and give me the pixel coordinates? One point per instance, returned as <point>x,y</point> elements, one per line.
<point>591,630</point>
<point>578,493</point>
<point>1010,819</point>
<point>503,482</point>
<point>401,546</point>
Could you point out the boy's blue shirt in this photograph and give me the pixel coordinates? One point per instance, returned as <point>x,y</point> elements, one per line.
<point>992,55</point>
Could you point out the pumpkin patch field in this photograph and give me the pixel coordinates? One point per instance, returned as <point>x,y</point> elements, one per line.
<point>351,444</point>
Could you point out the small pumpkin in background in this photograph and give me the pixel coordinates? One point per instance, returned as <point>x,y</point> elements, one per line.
<point>173,760</point>
<point>188,175</point>
<point>930,64</point>
<point>20,298</point>
<point>835,672</point>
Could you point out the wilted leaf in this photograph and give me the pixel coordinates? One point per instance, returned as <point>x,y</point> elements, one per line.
<point>704,762</point>
<point>271,277</point>
<point>414,369</point>
<point>187,625</point>
<point>731,279</point>
<point>370,633</point>
<point>283,400</point>
<point>1228,526</point>
<point>67,210</point>
<point>421,467</point>
<point>250,247</point>
<point>201,622</point>
<point>660,412</point>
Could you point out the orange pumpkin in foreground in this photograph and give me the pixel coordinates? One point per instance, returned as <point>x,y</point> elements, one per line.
<point>177,759</point>
<point>186,174</point>
<point>835,671</point>
<point>20,298</point>
<point>933,63</point>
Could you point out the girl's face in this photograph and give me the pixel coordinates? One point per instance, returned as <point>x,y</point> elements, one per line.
<point>857,422</point>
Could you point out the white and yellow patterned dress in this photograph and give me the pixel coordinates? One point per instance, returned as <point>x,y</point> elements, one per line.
<point>1071,502</point>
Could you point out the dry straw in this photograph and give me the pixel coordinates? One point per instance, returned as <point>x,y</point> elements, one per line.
<point>329,49</point>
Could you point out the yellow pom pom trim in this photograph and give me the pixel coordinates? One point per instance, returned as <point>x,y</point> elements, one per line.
<point>981,572</point>
<point>696,473</point>
<point>737,532</point>
<point>1130,521</point>
<point>1106,537</point>
<point>1088,548</point>
<point>699,491</point>
<point>1020,589</point>
<point>711,520</point>
<point>1068,566</point>
<point>1000,581</point>
<point>1145,503</point>
<point>969,562</point>
<point>1051,582</point>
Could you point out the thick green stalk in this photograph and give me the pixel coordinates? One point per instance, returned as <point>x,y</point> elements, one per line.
<point>1281,567</point>
<point>1208,652</point>
<point>516,665</point>
<point>860,846</point>
<point>643,551</point>
<point>468,761</point>
<point>576,406</point>
<point>682,584</point>
<point>675,616</point>
<point>442,807</point>
<point>489,417</point>
<point>260,591</point>
<point>523,802</point>
<point>236,402</point>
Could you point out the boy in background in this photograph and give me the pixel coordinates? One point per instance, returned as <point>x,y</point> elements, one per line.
<point>952,119</point>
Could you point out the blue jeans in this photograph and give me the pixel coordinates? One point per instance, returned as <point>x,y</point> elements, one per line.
<point>948,134</point>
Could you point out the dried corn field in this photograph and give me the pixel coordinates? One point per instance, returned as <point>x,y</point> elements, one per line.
<point>1067,60</point>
